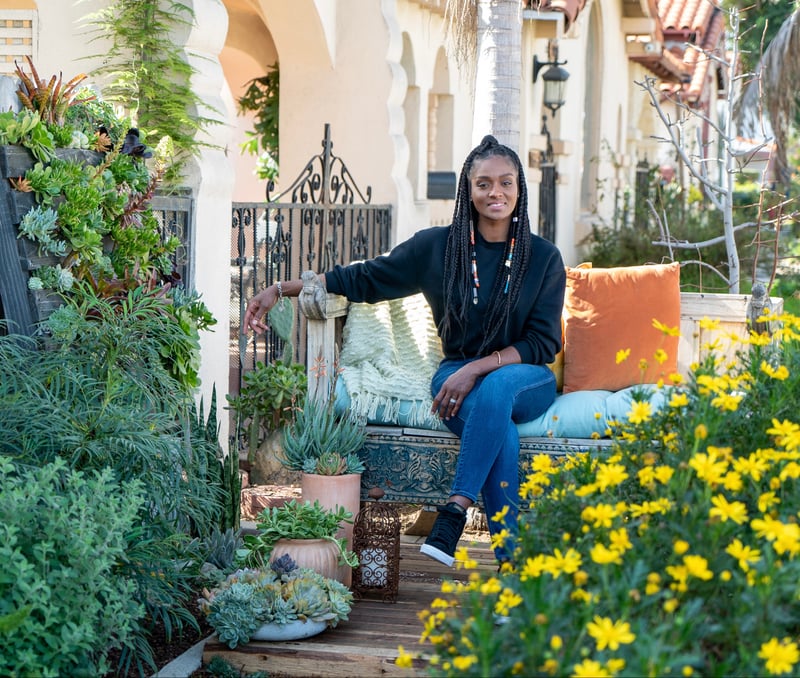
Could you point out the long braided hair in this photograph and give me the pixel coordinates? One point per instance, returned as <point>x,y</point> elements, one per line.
<point>457,282</point>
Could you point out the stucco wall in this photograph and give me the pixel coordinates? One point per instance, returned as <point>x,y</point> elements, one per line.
<point>64,40</point>
<point>331,76</point>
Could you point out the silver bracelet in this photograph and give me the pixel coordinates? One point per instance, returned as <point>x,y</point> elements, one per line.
<point>280,290</point>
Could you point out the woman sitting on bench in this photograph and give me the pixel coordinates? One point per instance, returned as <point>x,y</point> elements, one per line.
<point>496,292</point>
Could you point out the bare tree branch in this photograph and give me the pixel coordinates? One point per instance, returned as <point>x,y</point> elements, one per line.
<point>700,262</point>
<point>649,86</point>
<point>686,245</point>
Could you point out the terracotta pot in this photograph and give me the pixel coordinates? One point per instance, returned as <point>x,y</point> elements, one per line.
<point>319,555</point>
<point>333,491</point>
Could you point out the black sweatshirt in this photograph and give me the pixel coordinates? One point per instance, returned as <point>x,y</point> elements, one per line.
<point>417,265</point>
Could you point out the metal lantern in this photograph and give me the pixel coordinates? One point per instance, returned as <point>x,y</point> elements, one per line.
<point>376,541</point>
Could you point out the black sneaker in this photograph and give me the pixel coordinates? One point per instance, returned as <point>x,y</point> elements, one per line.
<point>446,531</point>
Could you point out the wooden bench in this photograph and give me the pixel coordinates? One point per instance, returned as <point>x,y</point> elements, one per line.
<point>416,466</point>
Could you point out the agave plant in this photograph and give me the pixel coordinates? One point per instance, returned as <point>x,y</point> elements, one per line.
<point>321,440</point>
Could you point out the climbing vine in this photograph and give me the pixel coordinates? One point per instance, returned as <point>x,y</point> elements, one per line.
<point>149,75</point>
<point>262,97</point>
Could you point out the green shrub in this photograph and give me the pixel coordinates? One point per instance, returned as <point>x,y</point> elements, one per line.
<point>102,400</point>
<point>674,552</point>
<point>788,287</point>
<point>63,533</point>
<point>628,245</point>
<point>692,219</point>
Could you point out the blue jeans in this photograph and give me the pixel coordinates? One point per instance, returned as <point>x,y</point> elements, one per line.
<point>486,423</point>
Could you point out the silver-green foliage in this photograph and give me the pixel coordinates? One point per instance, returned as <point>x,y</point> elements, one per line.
<point>39,224</point>
<point>280,594</point>
<point>322,441</point>
<point>61,534</point>
<point>100,399</point>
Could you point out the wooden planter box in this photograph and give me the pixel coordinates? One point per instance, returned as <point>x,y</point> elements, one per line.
<point>19,257</point>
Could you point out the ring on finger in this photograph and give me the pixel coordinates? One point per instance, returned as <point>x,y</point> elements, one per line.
<point>453,400</point>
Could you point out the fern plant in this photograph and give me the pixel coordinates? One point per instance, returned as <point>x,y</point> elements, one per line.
<point>262,97</point>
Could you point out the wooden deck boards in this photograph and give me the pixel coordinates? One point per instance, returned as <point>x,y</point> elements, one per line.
<point>366,644</point>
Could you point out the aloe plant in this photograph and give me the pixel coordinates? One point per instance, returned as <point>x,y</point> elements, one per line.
<point>50,99</point>
<point>321,440</point>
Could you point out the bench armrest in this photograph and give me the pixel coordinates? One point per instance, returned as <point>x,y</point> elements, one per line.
<point>323,312</point>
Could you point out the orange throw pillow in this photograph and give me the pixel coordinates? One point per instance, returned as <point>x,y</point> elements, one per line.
<point>612,309</point>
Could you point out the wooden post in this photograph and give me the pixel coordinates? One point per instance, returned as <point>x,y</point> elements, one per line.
<point>321,311</point>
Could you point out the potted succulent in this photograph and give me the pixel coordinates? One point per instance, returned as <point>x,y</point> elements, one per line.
<point>308,532</point>
<point>323,444</point>
<point>322,441</point>
<point>267,401</point>
<point>278,602</point>
<point>265,405</point>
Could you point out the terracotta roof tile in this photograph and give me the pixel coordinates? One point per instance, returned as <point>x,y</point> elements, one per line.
<point>715,29</point>
<point>698,22</point>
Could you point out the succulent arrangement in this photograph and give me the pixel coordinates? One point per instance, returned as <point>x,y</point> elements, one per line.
<point>297,520</point>
<point>91,218</point>
<point>323,441</point>
<point>278,594</point>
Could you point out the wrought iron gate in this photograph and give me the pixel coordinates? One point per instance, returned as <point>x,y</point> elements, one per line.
<point>641,208</point>
<point>547,189</point>
<point>314,224</point>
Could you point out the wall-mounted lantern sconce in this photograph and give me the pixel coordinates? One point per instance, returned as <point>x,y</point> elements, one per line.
<point>555,79</point>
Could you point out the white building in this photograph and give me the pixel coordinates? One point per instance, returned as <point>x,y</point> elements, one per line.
<point>383,76</point>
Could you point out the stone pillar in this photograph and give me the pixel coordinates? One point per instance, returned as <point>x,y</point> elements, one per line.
<point>210,175</point>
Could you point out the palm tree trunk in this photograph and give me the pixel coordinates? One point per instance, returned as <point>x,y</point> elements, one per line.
<point>498,73</point>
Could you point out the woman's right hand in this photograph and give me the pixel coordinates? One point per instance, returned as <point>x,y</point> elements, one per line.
<point>257,309</point>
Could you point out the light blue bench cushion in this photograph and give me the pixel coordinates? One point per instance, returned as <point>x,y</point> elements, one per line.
<point>579,414</point>
<point>390,352</point>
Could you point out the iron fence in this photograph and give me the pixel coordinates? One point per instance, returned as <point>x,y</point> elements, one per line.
<point>547,189</point>
<point>321,220</point>
<point>175,217</point>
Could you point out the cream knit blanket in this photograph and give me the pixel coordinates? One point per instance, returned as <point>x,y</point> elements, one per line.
<point>390,351</point>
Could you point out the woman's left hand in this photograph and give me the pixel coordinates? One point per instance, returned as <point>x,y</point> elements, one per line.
<point>449,398</point>
<point>257,308</point>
